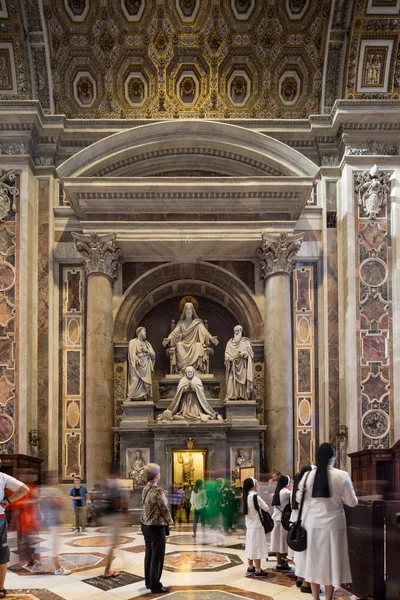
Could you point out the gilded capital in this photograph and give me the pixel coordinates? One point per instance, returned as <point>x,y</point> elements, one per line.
<point>100,255</point>
<point>278,252</point>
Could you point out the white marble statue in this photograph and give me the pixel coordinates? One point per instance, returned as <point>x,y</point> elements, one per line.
<point>241,461</point>
<point>190,401</point>
<point>137,472</point>
<point>141,366</point>
<point>239,357</point>
<point>190,339</point>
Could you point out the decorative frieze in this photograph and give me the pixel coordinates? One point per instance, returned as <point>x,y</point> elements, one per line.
<point>278,252</point>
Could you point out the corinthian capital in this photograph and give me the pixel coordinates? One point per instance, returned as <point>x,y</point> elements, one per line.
<point>100,255</point>
<point>278,252</point>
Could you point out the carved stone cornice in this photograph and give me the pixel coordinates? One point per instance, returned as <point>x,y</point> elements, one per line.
<point>100,254</point>
<point>278,252</point>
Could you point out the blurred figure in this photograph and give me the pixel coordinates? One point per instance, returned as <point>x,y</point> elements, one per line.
<point>78,494</point>
<point>198,500</point>
<point>237,505</point>
<point>213,491</point>
<point>113,501</point>
<point>19,490</point>
<point>51,507</point>
<point>187,506</point>
<point>156,520</point>
<point>278,534</point>
<point>227,505</point>
<point>28,522</point>
<point>326,558</point>
<point>95,505</point>
<point>256,543</point>
<point>177,498</point>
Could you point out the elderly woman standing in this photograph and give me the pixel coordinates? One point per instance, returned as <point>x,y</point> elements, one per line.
<point>156,519</point>
<point>256,544</point>
<point>326,559</point>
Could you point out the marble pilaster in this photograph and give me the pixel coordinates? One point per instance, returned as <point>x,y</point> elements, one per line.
<point>395,209</point>
<point>277,256</point>
<point>101,258</point>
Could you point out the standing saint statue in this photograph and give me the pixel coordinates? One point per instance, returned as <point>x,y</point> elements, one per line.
<point>190,401</point>
<point>190,338</point>
<point>187,463</point>
<point>141,366</point>
<point>239,367</point>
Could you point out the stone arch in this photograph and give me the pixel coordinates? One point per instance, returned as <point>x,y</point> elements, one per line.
<point>177,279</point>
<point>230,148</point>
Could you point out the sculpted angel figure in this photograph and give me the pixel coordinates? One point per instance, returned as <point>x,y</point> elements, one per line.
<point>239,366</point>
<point>190,338</point>
<point>141,366</point>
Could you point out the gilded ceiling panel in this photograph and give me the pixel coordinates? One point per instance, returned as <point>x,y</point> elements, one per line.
<point>187,58</point>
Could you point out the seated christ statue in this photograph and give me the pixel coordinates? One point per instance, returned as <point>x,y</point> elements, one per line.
<point>190,339</point>
<point>190,402</point>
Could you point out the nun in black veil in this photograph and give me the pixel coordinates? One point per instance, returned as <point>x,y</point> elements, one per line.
<point>326,559</point>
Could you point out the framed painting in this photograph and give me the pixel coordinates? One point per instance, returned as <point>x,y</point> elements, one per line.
<point>188,466</point>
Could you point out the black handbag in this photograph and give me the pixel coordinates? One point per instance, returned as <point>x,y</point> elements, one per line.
<point>286,514</point>
<point>297,536</point>
<point>265,517</point>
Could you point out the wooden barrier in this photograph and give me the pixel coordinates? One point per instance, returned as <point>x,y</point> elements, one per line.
<point>365,531</point>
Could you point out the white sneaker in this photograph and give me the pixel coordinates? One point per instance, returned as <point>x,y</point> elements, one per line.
<point>62,572</point>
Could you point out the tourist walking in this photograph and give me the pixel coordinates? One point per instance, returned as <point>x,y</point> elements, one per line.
<point>278,535</point>
<point>326,559</point>
<point>78,495</point>
<point>256,543</point>
<point>156,520</point>
<point>19,490</point>
<point>198,500</point>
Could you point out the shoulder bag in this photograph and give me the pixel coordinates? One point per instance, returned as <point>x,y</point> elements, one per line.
<point>286,514</point>
<point>297,536</point>
<point>265,517</point>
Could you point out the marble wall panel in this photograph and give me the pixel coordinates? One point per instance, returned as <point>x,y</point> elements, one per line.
<point>305,366</point>
<point>9,272</point>
<point>72,363</point>
<point>43,316</point>
<point>374,320</point>
<point>333,335</point>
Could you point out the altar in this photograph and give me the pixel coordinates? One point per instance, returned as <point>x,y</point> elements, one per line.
<point>186,415</point>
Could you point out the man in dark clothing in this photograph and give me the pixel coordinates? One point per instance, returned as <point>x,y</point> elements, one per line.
<point>156,520</point>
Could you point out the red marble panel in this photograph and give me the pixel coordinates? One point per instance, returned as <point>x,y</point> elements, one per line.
<point>375,387</point>
<point>6,352</point>
<point>374,348</point>
<point>372,236</point>
<point>304,370</point>
<point>6,428</point>
<point>374,308</point>
<point>73,291</point>
<point>73,451</point>
<point>305,447</point>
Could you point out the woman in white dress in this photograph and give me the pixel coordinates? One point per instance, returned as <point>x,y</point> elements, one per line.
<point>278,535</point>
<point>300,582</point>
<point>256,544</point>
<point>326,559</point>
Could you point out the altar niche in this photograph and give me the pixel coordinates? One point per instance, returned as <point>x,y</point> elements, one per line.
<point>188,465</point>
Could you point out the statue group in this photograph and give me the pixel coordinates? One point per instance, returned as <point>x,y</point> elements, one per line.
<point>188,346</point>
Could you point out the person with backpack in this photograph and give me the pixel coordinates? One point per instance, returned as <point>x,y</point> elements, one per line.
<point>256,543</point>
<point>300,582</point>
<point>278,536</point>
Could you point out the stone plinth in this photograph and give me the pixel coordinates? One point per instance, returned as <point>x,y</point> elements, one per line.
<point>242,412</point>
<point>137,413</point>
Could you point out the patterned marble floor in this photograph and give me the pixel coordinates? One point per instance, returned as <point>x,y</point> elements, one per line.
<point>207,568</point>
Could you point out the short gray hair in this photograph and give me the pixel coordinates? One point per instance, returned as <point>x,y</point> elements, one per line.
<point>151,470</point>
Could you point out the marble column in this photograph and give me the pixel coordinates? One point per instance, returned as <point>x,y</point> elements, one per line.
<point>101,258</point>
<point>277,256</point>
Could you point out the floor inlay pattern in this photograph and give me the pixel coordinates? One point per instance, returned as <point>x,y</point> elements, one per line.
<point>135,549</point>
<point>95,542</point>
<point>73,562</point>
<point>111,583</point>
<point>200,561</point>
<point>32,594</point>
<point>210,592</point>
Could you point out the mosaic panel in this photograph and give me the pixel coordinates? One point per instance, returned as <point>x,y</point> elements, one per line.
<point>305,366</point>
<point>9,233</point>
<point>72,371</point>
<point>374,308</point>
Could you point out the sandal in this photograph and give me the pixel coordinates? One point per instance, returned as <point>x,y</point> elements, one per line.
<point>3,593</point>
<point>251,569</point>
<point>261,574</point>
<point>113,574</point>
